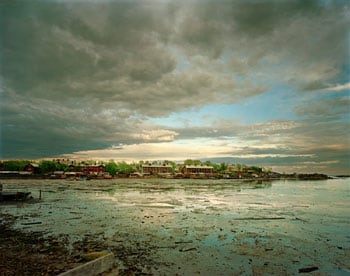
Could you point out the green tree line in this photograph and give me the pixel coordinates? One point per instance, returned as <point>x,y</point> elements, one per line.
<point>118,168</point>
<point>15,165</point>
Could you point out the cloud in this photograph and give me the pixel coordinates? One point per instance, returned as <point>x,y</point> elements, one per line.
<point>340,87</point>
<point>278,143</point>
<point>298,42</point>
<point>54,129</point>
<point>327,109</point>
<point>156,135</point>
<point>86,75</point>
<point>153,151</point>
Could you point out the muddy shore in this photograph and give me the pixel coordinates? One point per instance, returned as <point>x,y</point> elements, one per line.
<point>168,227</point>
<point>29,253</point>
<point>32,253</point>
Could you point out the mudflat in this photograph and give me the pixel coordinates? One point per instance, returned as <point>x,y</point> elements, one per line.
<point>190,227</point>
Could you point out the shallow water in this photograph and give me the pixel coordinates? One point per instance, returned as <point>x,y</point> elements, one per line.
<point>206,227</point>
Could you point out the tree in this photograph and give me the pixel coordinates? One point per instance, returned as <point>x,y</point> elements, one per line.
<point>222,167</point>
<point>46,166</point>
<point>190,162</point>
<point>15,165</point>
<point>255,169</point>
<point>62,167</point>
<point>170,163</point>
<point>124,168</point>
<point>111,168</point>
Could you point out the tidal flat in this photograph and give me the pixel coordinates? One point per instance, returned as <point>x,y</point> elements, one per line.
<point>196,227</point>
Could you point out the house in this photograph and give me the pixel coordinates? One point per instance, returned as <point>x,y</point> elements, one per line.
<point>93,169</point>
<point>198,170</point>
<point>32,168</point>
<point>156,169</point>
<point>72,168</point>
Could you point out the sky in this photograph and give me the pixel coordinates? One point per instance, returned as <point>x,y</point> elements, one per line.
<point>252,82</point>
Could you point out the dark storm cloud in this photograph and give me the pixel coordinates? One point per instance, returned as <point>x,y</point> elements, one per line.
<point>308,36</point>
<point>85,74</point>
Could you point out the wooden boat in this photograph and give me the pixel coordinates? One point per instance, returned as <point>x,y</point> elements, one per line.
<point>14,196</point>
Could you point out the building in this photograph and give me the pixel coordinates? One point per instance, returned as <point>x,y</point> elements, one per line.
<point>198,170</point>
<point>156,169</point>
<point>93,169</point>
<point>32,168</point>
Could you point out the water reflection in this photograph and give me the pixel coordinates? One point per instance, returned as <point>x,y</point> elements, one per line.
<point>166,186</point>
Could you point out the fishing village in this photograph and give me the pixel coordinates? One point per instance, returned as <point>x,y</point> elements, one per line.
<point>194,169</point>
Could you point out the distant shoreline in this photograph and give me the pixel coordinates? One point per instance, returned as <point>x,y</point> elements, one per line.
<point>299,177</point>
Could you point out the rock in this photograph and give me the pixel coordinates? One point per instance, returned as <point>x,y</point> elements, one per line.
<point>308,269</point>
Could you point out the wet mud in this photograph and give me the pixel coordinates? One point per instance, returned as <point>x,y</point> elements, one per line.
<point>187,227</point>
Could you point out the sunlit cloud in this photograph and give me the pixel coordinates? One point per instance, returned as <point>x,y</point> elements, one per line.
<point>340,87</point>
<point>176,80</point>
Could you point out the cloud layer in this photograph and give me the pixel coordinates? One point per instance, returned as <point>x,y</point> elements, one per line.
<point>87,75</point>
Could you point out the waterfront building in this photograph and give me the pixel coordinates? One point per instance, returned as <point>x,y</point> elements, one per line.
<point>32,168</point>
<point>156,169</point>
<point>93,169</point>
<point>198,170</point>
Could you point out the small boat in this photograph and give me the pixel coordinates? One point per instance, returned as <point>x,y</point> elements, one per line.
<point>14,196</point>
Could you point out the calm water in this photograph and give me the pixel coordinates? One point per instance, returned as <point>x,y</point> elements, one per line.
<point>206,227</point>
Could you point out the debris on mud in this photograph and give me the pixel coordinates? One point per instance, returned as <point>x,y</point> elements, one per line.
<point>30,254</point>
<point>24,253</point>
<point>308,269</point>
